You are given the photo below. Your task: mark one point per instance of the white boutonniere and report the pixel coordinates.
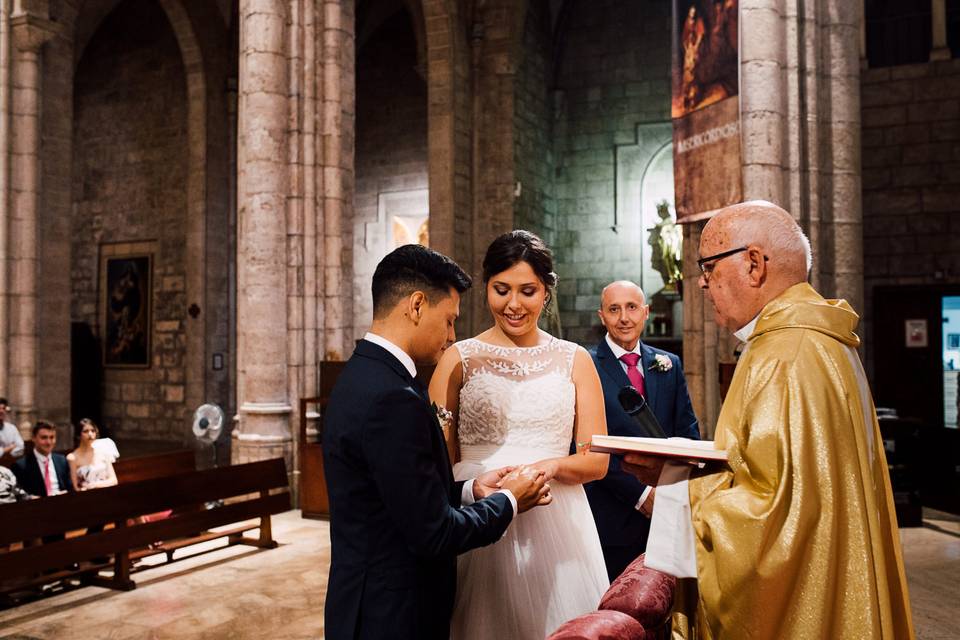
(444, 416)
(661, 363)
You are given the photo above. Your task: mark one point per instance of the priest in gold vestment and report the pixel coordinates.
(796, 537)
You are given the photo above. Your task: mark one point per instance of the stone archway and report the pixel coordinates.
(181, 381)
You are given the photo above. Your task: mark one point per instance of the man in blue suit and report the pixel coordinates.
(42, 472)
(621, 505)
(397, 517)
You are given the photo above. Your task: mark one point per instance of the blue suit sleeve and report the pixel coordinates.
(685, 424)
(398, 450)
(67, 484)
(623, 486)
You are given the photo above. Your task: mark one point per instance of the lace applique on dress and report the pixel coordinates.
(517, 395)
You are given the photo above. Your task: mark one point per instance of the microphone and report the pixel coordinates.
(636, 406)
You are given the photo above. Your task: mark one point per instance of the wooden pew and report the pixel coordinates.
(154, 466)
(253, 490)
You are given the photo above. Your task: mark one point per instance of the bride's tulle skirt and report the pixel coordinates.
(547, 568)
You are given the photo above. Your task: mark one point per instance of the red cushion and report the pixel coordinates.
(600, 625)
(643, 594)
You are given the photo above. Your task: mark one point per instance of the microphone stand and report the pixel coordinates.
(636, 406)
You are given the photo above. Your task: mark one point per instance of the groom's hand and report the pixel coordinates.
(489, 482)
(528, 486)
(646, 468)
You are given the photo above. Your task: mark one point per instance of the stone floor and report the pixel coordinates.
(248, 593)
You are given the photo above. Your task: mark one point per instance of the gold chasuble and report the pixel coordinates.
(798, 537)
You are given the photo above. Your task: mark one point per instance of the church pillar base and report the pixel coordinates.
(262, 433)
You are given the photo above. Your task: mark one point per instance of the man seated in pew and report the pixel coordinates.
(44, 472)
(10, 440)
(90, 468)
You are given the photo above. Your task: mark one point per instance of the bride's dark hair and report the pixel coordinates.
(520, 246)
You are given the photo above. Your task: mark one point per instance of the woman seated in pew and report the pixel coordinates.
(89, 468)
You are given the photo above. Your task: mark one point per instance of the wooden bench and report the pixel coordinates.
(251, 491)
(133, 469)
(154, 466)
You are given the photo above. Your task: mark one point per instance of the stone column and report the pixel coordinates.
(938, 15)
(337, 100)
(841, 231)
(262, 185)
(800, 123)
(4, 187)
(30, 33)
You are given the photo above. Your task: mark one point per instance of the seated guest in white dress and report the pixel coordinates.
(518, 395)
(90, 468)
(10, 439)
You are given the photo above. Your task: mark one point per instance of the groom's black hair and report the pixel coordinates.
(414, 267)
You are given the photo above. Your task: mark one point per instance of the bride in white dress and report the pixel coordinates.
(520, 396)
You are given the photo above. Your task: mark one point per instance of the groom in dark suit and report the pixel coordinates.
(621, 505)
(397, 518)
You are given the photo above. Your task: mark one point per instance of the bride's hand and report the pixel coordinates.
(548, 467)
(487, 483)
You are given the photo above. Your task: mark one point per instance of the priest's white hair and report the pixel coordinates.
(764, 223)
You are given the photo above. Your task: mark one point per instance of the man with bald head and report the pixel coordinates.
(796, 535)
(621, 504)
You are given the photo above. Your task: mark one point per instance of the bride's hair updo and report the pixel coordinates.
(520, 246)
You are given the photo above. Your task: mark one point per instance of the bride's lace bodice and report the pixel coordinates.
(517, 395)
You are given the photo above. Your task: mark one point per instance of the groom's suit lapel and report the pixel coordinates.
(370, 350)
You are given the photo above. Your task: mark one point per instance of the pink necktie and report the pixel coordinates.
(633, 374)
(46, 476)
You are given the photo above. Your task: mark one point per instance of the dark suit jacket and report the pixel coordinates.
(613, 499)
(30, 477)
(395, 525)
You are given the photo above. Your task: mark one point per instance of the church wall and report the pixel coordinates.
(391, 147)
(614, 74)
(535, 206)
(911, 178)
(129, 186)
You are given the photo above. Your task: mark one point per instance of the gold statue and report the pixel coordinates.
(666, 240)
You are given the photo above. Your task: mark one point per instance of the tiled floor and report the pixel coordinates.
(248, 593)
(239, 592)
(932, 557)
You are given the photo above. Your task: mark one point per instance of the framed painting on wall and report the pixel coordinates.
(126, 294)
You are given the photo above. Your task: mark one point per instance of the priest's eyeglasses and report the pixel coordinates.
(707, 264)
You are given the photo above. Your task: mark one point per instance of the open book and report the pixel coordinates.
(684, 448)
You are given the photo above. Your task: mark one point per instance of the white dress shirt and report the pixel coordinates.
(42, 461)
(618, 352)
(466, 497)
(394, 350)
(743, 333)
(10, 435)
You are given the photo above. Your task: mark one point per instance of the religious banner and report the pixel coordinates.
(705, 107)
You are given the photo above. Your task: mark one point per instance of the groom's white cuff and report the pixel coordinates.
(643, 498)
(466, 497)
